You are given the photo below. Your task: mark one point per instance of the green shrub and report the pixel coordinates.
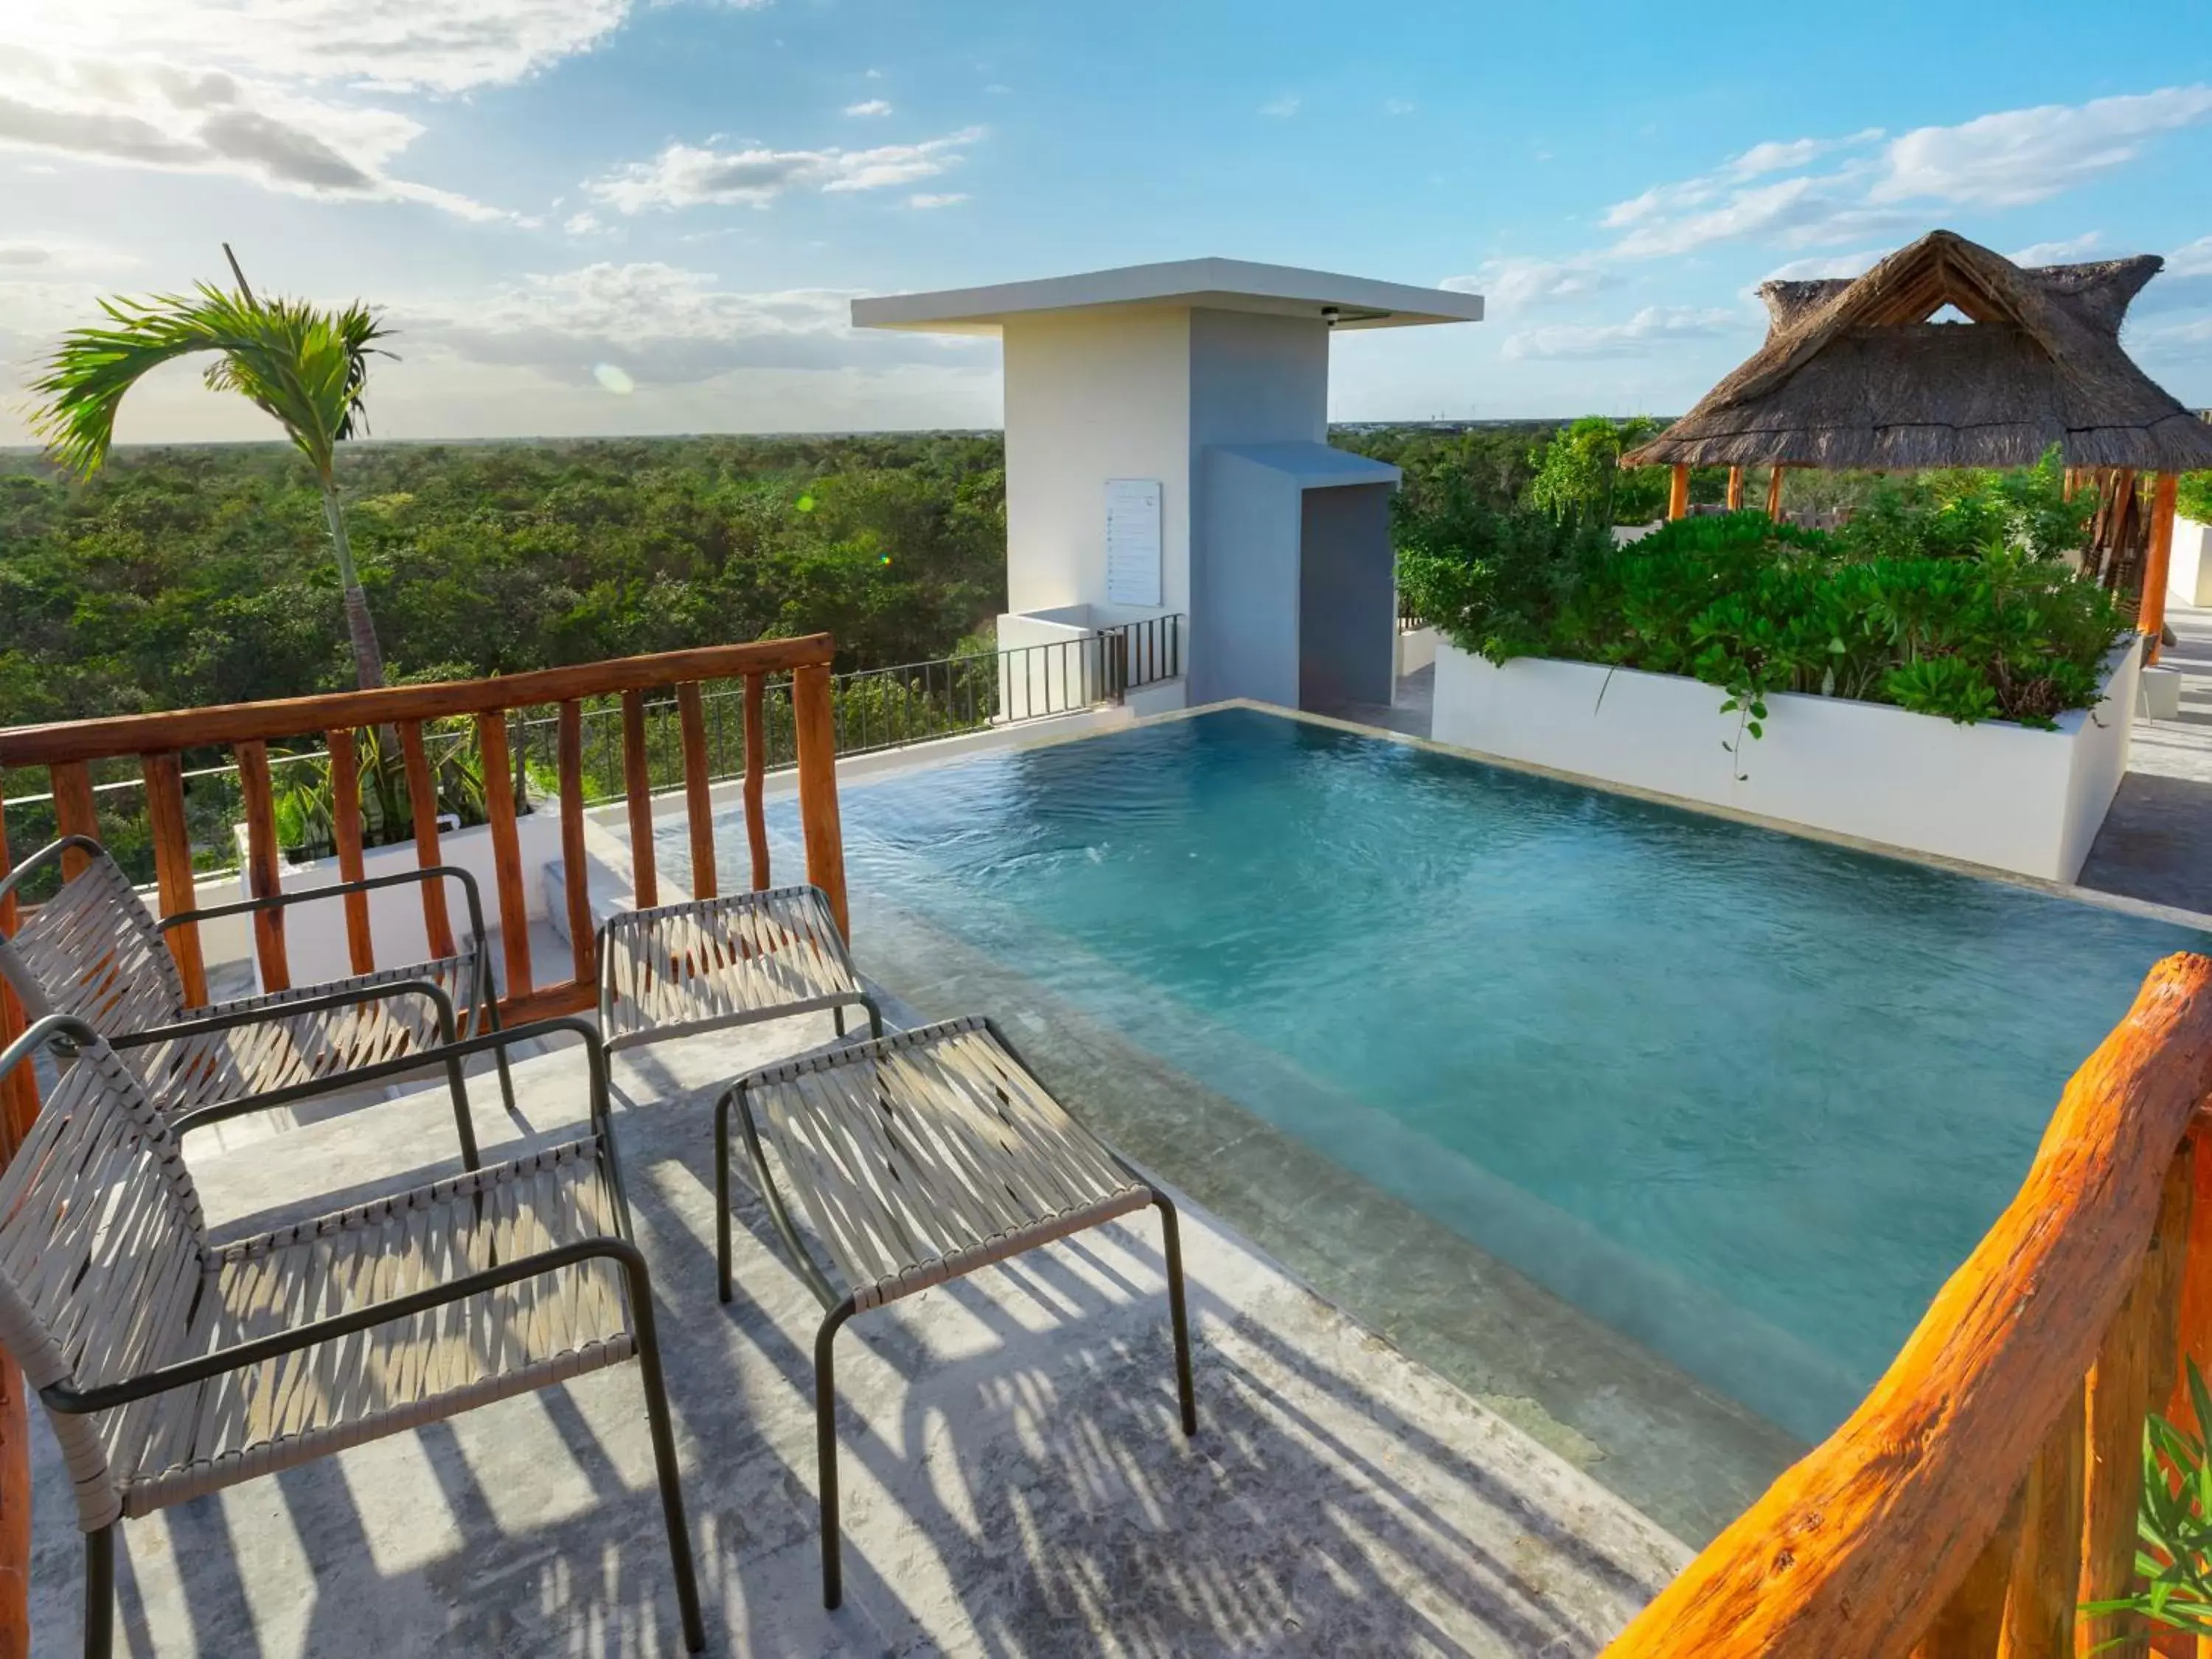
(1755, 608)
(2195, 496)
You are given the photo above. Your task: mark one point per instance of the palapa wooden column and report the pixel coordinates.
(1677, 492)
(1774, 493)
(1735, 489)
(2151, 617)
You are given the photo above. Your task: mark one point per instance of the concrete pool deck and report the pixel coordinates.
(1015, 1484)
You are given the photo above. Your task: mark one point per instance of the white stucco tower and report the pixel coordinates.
(1167, 454)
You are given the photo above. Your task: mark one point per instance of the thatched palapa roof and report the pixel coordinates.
(1854, 374)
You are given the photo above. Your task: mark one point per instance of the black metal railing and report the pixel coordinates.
(875, 710)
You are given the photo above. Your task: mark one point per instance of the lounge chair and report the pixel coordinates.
(170, 1367)
(95, 952)
(680, 969)
(916, 1159)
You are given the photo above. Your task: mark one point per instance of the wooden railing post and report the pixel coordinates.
(345, 831)
(263, 863)
(637, 788)
(816, 727)
(19, 1106)
(506, 849)
(698, 804)
(172, 869)
(575, 877)
(755, 779)
(2046, 1569)
(423, 804)
(1972, 1623)
(74, 813)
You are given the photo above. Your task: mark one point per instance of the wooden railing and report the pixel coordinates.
(1989, 1485)
(67, 750)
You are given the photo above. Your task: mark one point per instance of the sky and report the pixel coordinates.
(623, 216)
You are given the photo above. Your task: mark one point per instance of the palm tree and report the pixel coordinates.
(307, 366)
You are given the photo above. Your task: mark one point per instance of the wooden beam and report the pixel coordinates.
(755, 781)
(423, 804)
(263, 864)
(1678, 491)
(173, 869)
(575, 875)
(698, 804)
(345, 830)
(2151, 617)
(239, 722)
(1857, 1548)
(815, 721)
(1735, 489)
(1774, 494)
(637, 788)
(74, 813)
(2046, 1567)
(506, 850)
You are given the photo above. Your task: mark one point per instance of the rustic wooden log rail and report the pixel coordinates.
(67, 749)
(1989, 1485)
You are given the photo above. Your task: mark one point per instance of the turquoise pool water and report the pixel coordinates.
(1747, 1097)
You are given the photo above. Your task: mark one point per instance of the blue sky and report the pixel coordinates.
(640, 216)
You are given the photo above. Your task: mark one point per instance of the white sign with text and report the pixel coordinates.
(1133, 541)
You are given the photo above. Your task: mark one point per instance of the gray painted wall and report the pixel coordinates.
(1347, 596)
(1244, 582)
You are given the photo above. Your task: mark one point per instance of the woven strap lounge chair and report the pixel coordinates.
(683, 968)
(170, 1367)
(916, 1159)
(95, 952)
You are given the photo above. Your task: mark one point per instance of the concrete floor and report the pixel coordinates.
(1015, 1484)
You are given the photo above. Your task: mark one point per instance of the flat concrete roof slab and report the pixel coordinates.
(1209, 284)
(1313, 466)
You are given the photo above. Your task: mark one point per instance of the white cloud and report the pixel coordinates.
(937, 199)
(686, 175)
(870, 107)
(1873, 187)
(1399, 107)
(2191, 259)
(660, 324)
(1823, 266)
(2054, 253)
(1281, 107)
(1642, 335)
(2026, 156)
(586, 223)
(1513, 284)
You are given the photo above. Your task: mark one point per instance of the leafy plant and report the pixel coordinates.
(306, 366)
(2193, 498)
(1578, 473)
(2174, 1523)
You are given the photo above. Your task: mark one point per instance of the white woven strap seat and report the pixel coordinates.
(929, 1153)
(301, 1406)
(207, 1069)
(683, 969)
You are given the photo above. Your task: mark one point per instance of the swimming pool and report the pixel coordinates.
(1745, 1097)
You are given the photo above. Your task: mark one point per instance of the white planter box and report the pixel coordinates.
(2188, 573)
(1996, 793)
(1417, 649)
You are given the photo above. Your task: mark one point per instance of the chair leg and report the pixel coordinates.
(462, 1121)
(664, 1458)
(825, 1451)
(837, 1018)
(722, 1197)
(99, 1592)
(875, 1017)
(1172, 1236)
(490, 1017)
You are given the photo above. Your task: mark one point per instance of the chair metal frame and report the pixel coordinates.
(272, 1007)
(839, 1307)
(69, 1036)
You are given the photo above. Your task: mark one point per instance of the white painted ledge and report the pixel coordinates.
(1996, 793)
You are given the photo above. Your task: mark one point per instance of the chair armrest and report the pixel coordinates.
(45, 855)
(203, 1024)
(107, 1396)
(487, 1041)
(277, 901)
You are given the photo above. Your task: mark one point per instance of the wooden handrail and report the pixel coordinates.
(1876, 1541)
(67, 741)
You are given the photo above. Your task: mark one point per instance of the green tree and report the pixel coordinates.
(1578, 472)
(306, 366)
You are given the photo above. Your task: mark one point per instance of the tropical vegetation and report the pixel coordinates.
(1946, 596)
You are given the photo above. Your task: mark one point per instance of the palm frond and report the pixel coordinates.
(307, 367)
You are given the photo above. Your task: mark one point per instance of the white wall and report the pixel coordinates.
(2189, 576)
(1995, 793)
(1090, 398)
